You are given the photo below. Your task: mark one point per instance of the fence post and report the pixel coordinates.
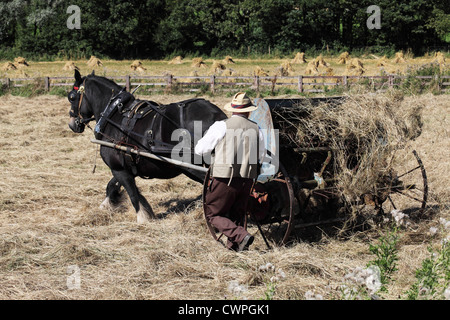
(345, 81)
(169, 81)
(213, 83)
(47, 84)
(8, 83)
(128, 82)
(300, 84)
(438, 82)
(256, 83)
(391, 81)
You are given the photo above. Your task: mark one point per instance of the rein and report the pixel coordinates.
(81, 90)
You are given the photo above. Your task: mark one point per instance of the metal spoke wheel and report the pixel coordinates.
(278, 222)
(408, 188)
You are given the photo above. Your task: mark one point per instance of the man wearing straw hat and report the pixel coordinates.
(239, 148)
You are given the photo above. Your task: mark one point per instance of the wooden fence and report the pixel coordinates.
(300, 83)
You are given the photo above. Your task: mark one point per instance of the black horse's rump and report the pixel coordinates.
(138, 124)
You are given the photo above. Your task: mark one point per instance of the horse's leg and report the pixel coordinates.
(143, 209)
(113, 195)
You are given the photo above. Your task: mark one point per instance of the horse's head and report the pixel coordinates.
(80, 111)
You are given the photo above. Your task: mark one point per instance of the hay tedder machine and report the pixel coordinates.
(299, 185)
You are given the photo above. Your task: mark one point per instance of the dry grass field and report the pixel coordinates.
(51, 224)
(368, 64)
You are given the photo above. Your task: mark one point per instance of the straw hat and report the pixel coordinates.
(240, 103)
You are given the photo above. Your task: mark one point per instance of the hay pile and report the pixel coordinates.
(381, 62)
(311, 68)
(320, 62)
(299, 58)
(258, 71)
(176, 60)
(355, 67)
(439, 58)
(20, 62)
(344, 58)
(94, 62)
(217, 67)
(137, 66)
(364, 131)
(328, 72)
(228, 60)
(70, 66)
(399, 57)
(8, 66)
(198, 63)
(285, 69)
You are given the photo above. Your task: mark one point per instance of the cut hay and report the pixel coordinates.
(228, 60)
(70, 66)
(21, 62)
(258, 71)
(355, 67)
(50, 224)
(8, 66)
(364, 132)
(381, 62)
(217, 67)
(439, 58)
(399, 57)
(299, 58)
(344, 57)
(176, 60)
(356, 63)
(285, 69)
(320, 62)
(198, 63)
(137, 66)
(311, 68)
(94, 62)
(328, 72)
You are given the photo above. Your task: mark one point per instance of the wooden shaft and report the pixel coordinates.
(151, 155)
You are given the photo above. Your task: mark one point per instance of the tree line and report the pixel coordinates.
(161, 28)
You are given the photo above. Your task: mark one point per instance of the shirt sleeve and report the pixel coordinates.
(209, 141)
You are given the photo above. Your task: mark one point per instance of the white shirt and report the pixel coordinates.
(216, 133)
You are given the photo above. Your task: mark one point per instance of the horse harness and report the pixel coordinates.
(132, 110)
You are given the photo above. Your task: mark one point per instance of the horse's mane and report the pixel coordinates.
(105, 81)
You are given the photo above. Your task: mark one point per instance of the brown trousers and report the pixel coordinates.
(226, 207)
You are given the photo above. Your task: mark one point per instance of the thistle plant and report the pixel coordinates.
(386, 253)
(277, 275)
(358, 284)
(433, 278)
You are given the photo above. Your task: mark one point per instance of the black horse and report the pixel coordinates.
(90, 97)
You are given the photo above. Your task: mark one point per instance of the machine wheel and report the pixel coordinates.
(408, 191)
(278, 223)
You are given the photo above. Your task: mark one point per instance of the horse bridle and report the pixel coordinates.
(79, 120)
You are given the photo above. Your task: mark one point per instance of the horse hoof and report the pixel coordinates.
(143, 217)
(106, 204)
